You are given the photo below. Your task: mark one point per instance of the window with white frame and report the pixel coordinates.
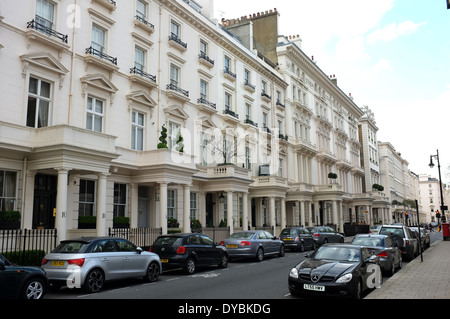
(175, 29)
(194, 205)
(227, 101)
(86, 201)
(171, 203)
(248, 111)
(204, 90)
(137, 130)
(98, 39)
(94, 114)
(172, 135)
(248, 158)
(174, 75)
(45, 14)
(227, 62)
(120, 200)
(8, 182)
(141, 10)
(204, 148)
(39, 102)
(139, 59)
(203, 48)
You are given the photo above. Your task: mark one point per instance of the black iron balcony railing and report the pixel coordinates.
(206, 102)
(227, 71)
(101, 55)
(230, 112)
(138, 71)
(140, 19)
(46, 30)
(283, 137)
(175, 88)
(247, 83)
(280, 104)
(203, 56)
(175, 38)
(264, 94)
(248, 121)
(265, 128)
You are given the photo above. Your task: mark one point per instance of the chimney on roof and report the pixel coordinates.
(333, 79)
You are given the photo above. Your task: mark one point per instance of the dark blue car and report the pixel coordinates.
(20, 282)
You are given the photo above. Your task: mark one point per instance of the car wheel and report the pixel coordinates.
(153, 272)
(392, 270)
(260, 254)
(400, 263)
(189, 268)
(34, 289)
(282, 251)
(358, 290)
(302, 247)
(223, 261)
(325, 241)
(94, 281)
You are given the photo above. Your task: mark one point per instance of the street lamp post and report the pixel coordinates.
(440, 183)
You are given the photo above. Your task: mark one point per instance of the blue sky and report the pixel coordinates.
(391, 55)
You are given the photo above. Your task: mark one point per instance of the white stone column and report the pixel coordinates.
(134, 205)
(311, 212)
(272, 221)
(341, 217)
(163, 207)
(186, 209)
(230, 214)
(335, 214)
(302, 214)
(244, 211)
(283, 213)
(101, 205)
(61, 204)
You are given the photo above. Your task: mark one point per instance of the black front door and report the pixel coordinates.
(44, 201)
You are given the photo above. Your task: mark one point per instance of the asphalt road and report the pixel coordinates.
(242, 279)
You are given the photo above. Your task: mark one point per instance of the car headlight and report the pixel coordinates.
(293, 273)
(344, 279)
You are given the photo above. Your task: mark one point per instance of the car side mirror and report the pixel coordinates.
(372, 259)
(2, 265)
(139, 250)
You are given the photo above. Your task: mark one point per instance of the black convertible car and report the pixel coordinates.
(339, 270)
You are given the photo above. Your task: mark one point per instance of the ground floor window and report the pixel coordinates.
(171, 204)
(120, 200)
(7, 190)
(86, 206)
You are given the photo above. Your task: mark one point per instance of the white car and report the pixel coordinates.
(89, 262)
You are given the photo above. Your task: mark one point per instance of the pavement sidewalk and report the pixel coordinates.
(427, 279)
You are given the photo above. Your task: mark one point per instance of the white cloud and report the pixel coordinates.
(393, 31)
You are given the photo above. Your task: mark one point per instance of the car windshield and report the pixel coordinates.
(168, 241)
(242, 235)
(338, 254)
(71, 247)
(392, 231)
(368, 241)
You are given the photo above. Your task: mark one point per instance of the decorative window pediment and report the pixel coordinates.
(176, 111)
(140, 98)
(44, 62)
(100, 82)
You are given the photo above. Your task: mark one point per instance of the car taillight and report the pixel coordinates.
(245, 243)
(150, 249)
(407, 242)
(383, 254)
(44, 261)
(222, 243)
(181, 250)
(316, 234)
(78, 262)
(297, 239)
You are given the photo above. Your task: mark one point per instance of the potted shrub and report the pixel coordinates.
(87, 222)
(163, 139)
(121, 222)
(172, 223)
(10, 219)
(196, 226)
(333, 177)
(378, 187)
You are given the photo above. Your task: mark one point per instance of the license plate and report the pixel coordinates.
(57, 263)
(164, 260)
(314, 287)
(232, 246)
(287, 239)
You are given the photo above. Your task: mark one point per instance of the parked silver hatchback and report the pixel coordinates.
(89, 262)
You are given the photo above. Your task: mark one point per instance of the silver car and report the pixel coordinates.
(253, 244)
(89, 262)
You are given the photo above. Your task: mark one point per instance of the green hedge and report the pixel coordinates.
(9, 216)
(26, 258)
